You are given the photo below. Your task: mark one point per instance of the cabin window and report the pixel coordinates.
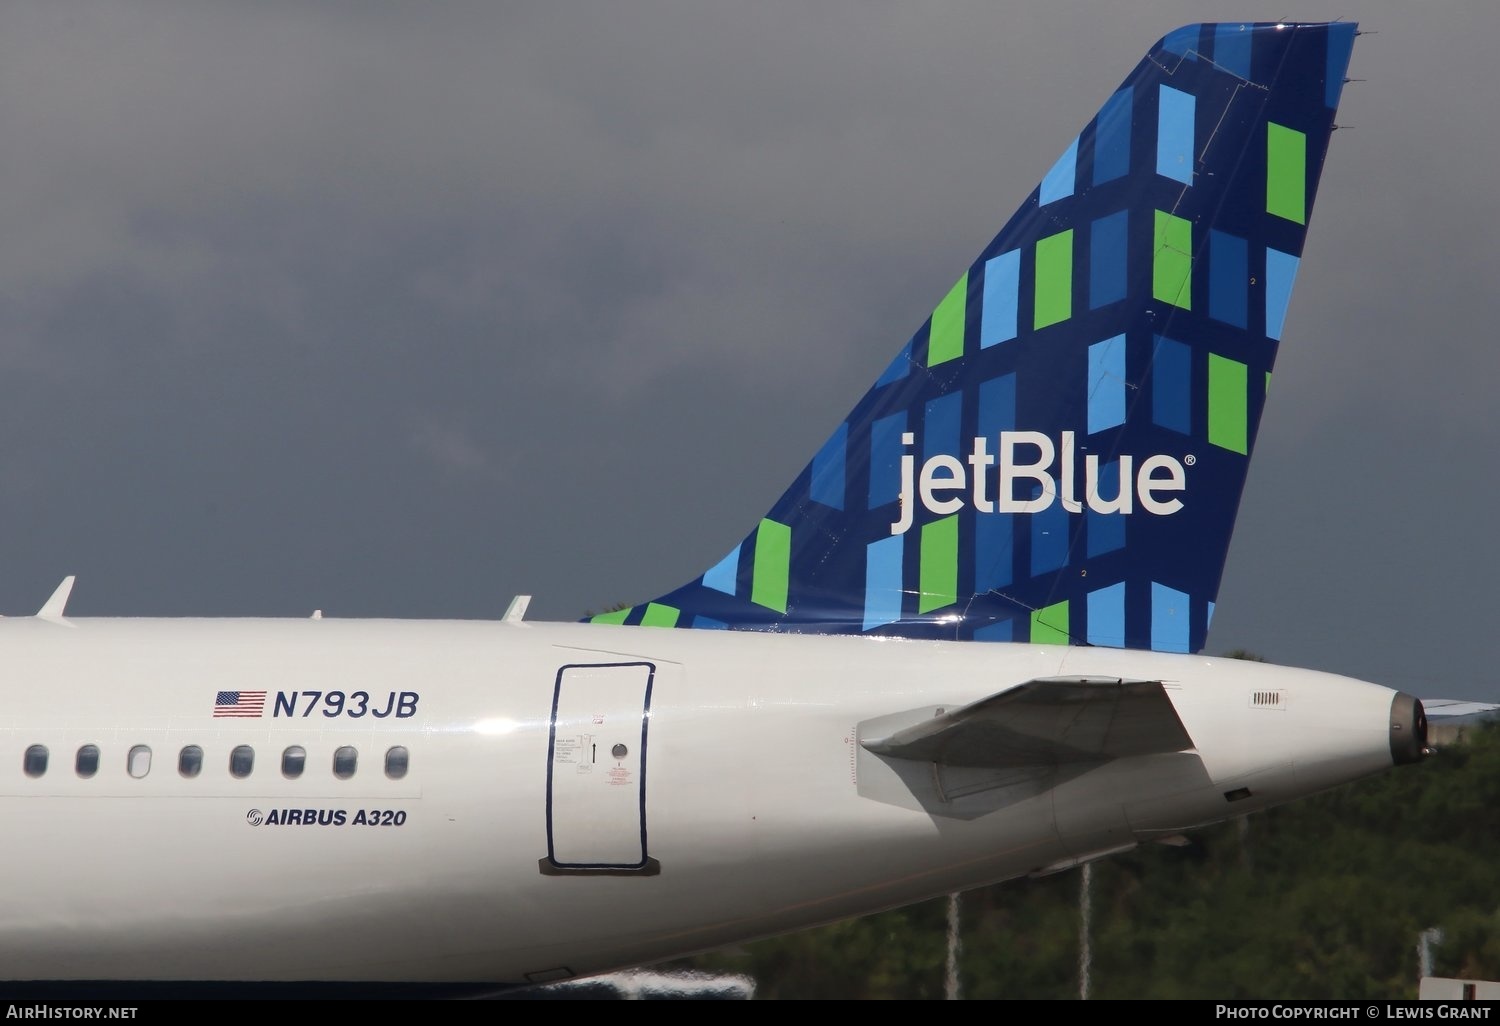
(396, 761)
(35, 762)
(293, 761)
(87, 763)
(343, 762)
(241, 761)
(138, 762)
(190, 761)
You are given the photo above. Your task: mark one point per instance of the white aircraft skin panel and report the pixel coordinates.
(726, 790)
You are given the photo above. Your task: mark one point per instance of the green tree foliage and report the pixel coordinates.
(1244, 653)
(1323, 898)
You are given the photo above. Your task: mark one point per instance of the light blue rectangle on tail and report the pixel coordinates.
(883, 582)
(1058, 184)
(724, 574)
(1170, 619)
(1106, 612)
(1174, 134)
(1106, 384)
(1281, 274)
(1002, 289)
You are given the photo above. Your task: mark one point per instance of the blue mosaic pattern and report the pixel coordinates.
(1053, 415)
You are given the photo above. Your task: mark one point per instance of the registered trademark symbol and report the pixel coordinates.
(1189, 460)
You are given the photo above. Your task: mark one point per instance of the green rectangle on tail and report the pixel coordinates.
(773, 555)
(945, 338)
(938, 578)
(1286, 172)
(1172, 263)
(658, 615)
(1054, 279)
(1228, 385)
(1049, 625)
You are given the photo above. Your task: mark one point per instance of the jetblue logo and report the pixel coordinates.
(946, 485)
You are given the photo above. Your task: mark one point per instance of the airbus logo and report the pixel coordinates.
(946, 484)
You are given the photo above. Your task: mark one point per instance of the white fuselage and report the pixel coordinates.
(743, 764)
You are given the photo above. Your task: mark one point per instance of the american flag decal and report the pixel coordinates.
(240, 703)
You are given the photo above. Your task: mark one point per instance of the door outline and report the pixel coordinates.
(646, 866)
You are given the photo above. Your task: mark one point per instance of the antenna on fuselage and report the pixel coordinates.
(54, 608)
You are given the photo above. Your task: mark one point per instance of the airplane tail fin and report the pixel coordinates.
(1057, 454)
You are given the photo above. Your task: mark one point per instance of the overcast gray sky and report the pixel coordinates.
(402, 309)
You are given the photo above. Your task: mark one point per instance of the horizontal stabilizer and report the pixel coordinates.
(1049, 721)
(1443, 708)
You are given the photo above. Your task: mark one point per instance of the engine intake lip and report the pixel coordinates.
(1408, 729)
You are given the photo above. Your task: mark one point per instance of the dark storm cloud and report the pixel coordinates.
(401, 309)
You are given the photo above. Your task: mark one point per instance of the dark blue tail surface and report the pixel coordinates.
(1058, 453)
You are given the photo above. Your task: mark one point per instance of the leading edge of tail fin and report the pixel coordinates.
(1058, 453)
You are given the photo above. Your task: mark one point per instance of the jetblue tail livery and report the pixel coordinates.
(366, 807)
(1058, 453)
